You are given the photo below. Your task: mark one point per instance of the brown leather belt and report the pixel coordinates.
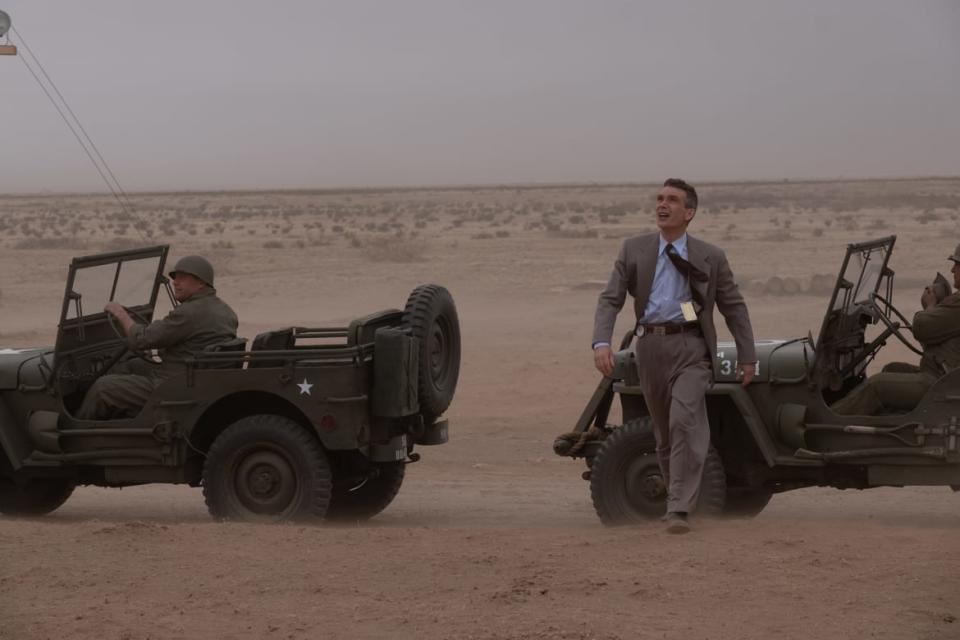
(667, 329)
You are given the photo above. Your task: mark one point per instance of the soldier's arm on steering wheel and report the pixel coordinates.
(174, 328)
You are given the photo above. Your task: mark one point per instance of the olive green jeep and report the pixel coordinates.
(303, 423)
(779, 433)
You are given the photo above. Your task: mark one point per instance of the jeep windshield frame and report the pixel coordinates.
(841, 343)
(132, 278)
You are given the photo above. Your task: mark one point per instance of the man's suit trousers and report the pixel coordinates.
(675, 371)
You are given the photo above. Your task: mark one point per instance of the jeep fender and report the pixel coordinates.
(750, 417)
(741, 400)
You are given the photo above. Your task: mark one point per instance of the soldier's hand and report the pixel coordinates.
(116, 310)
(746, 371)
(929, 298)
(603, 360)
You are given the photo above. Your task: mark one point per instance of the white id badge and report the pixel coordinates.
(689, 314)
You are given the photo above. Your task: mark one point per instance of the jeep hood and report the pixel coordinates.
(777, 360)
(14, 361)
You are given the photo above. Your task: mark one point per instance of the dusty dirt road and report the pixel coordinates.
(492, 537)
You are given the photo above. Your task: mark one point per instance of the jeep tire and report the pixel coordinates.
(626, 485)
(266, 468)
(432, 318)
(36, 497)
(370, 497)
(745, 502)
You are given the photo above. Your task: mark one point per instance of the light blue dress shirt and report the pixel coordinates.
(669, 289)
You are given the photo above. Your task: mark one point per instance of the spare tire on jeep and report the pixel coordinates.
(431, 317)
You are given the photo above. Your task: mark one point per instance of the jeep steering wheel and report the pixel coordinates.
(117, 329)
(893, 326)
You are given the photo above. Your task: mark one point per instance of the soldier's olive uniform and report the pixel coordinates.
(200, 321)
(901, 387)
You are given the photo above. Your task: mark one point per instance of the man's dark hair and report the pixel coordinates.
(690, 194)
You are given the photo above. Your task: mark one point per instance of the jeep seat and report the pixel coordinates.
(279, 340)
(236, 345)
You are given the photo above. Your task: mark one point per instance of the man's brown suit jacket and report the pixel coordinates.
(633, 273)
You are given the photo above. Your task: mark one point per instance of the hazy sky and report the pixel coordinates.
(233, 94)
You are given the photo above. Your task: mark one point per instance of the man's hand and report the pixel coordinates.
(117, 311)
(603, 360)
(746, 371)
(928, 298)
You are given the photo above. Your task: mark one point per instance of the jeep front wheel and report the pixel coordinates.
(266, 468)
(626, 485)
(746, 502)
(35, 497)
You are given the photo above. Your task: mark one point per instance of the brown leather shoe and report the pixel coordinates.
(677, 523)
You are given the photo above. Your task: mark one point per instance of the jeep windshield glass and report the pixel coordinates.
(863, 270)
(129, 282)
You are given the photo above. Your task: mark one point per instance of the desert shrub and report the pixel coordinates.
(791, 286)
(503, 234)
(821, 283)
(928, 216)
(773, 286)
(817, 232)
(572, 234)
(121, 244)
(482, 236)
(272, 244)
(394, 248)
(777, 235)
(50, 243)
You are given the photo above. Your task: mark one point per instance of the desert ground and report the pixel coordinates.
(493, 537)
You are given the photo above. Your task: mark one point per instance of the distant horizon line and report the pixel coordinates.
(486, 186)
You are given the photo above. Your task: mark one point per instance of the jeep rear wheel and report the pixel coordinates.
(35, 497)
(266, 468)
(432, 318)
(368, 498)
(626, 485)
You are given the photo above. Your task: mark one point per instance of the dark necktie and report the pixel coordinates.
(684, 267)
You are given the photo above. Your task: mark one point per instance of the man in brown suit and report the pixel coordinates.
(675, 280)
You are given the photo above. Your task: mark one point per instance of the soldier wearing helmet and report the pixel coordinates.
(200, 320)
(900, 386)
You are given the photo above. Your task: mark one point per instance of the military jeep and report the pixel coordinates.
(779, 433)
(303, 423)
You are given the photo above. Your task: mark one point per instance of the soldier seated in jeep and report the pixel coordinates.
(900, 387)
(199, 321)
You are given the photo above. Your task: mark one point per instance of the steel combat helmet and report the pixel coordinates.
(956, 254)
(197, 266)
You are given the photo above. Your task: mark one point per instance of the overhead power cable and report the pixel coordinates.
(82, 137)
